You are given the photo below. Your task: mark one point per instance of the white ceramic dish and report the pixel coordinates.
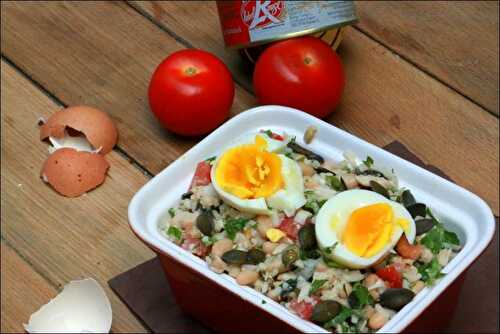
(460, 210)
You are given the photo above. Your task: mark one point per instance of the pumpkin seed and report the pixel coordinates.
(423, 225)
(325, 311)
(187, 195)
(205, 223)
(395, 299)
(378, 188)
(307, 237)
(417, 209)
(255, 256)
(290, 255)
(235, 256)
(372, 172)
(407, 198)
(321, 169)
(304, 151)
(309, 134)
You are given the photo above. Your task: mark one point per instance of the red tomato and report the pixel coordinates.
(290, 228)
(304, 309)
(407, 250)
(303, 73)
(391, 275)
(191, 92)
(201, 175)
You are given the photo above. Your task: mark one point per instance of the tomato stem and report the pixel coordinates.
(307, 60)
(190, 71)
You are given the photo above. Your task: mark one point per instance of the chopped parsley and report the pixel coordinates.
(171, 212)
(368, 162)
(316, 285)
(211, 159)
(313, 205)
(439, 238)
(234, 225)
(335, 182)
(329, 250)
(207, 241)
(263, 302)
(360, 297)
(174, 232)
(344, 314)
(430, 271)
(269, 133)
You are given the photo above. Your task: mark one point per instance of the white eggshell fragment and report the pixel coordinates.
(82, 307)
(79, 143)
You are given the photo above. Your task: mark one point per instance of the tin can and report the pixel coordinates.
(250, 23)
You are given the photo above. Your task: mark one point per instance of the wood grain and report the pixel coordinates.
(100, 54)
(455, 41)
(23, 291)
(386, 98)
(65, 239)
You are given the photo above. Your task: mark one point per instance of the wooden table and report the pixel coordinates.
(425, 74)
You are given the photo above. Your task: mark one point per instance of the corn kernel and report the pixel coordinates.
(274, 234)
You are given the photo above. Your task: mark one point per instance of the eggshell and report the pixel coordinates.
(73, 173)
(82, 307)
(96, 125)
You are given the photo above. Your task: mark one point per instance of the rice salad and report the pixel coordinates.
(340, 244)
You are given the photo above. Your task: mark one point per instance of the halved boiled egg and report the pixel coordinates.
(253, 178)
(361, 226)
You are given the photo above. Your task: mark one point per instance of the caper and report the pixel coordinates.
(255, 256)
(290, 255)
(235, 256)
(309, 134)
(307, 237)
(407, 198)
(378, 188)
(205, 223)
(423, 225)
(417, 209)
(325, 311)
(304, 151)
(395, 299)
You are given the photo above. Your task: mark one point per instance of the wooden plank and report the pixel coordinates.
(100, 54)
(65, 239)
(455, 41)
(23, 291)
(385, 99)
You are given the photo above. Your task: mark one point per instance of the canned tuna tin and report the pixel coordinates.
(246, 24)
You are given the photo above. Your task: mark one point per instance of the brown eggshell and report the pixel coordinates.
(96, 125)
(72, 173)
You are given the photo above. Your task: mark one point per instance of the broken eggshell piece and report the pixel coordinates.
(72, 173)
(82, 307)
(96, 126)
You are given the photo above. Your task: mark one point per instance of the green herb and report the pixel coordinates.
(316, 285)
(313, 205)
(174, 232)
(207, 241)
(345, 313)
(362, 296)
(288, 286)
(438, 238)
(309, 254)
(289, 155)
(211, 159)
(234, 225)
(332, 263)
(430, 271)
(335, 182)
(263, 302)
(269, 133)
(171, 212)
(329, 250)
(368, 162)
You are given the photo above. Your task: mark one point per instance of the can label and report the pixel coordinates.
(246, 23)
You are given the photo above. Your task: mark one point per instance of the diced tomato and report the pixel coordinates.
(277, 136)
(196, 245)
(304, 309)
(290, 227)
(407, 250)
(201, 175)
(391, 275)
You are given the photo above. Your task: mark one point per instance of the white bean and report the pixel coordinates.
(247, 277)
(377, 320)
(268, 247)
(264, 223)
(221, 246)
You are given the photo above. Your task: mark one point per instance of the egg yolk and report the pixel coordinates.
(368, 229)
(249, 171)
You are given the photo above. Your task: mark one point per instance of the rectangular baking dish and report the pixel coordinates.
(218, 301)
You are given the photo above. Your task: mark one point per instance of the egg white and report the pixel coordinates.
(288, 199)
(340, 208)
